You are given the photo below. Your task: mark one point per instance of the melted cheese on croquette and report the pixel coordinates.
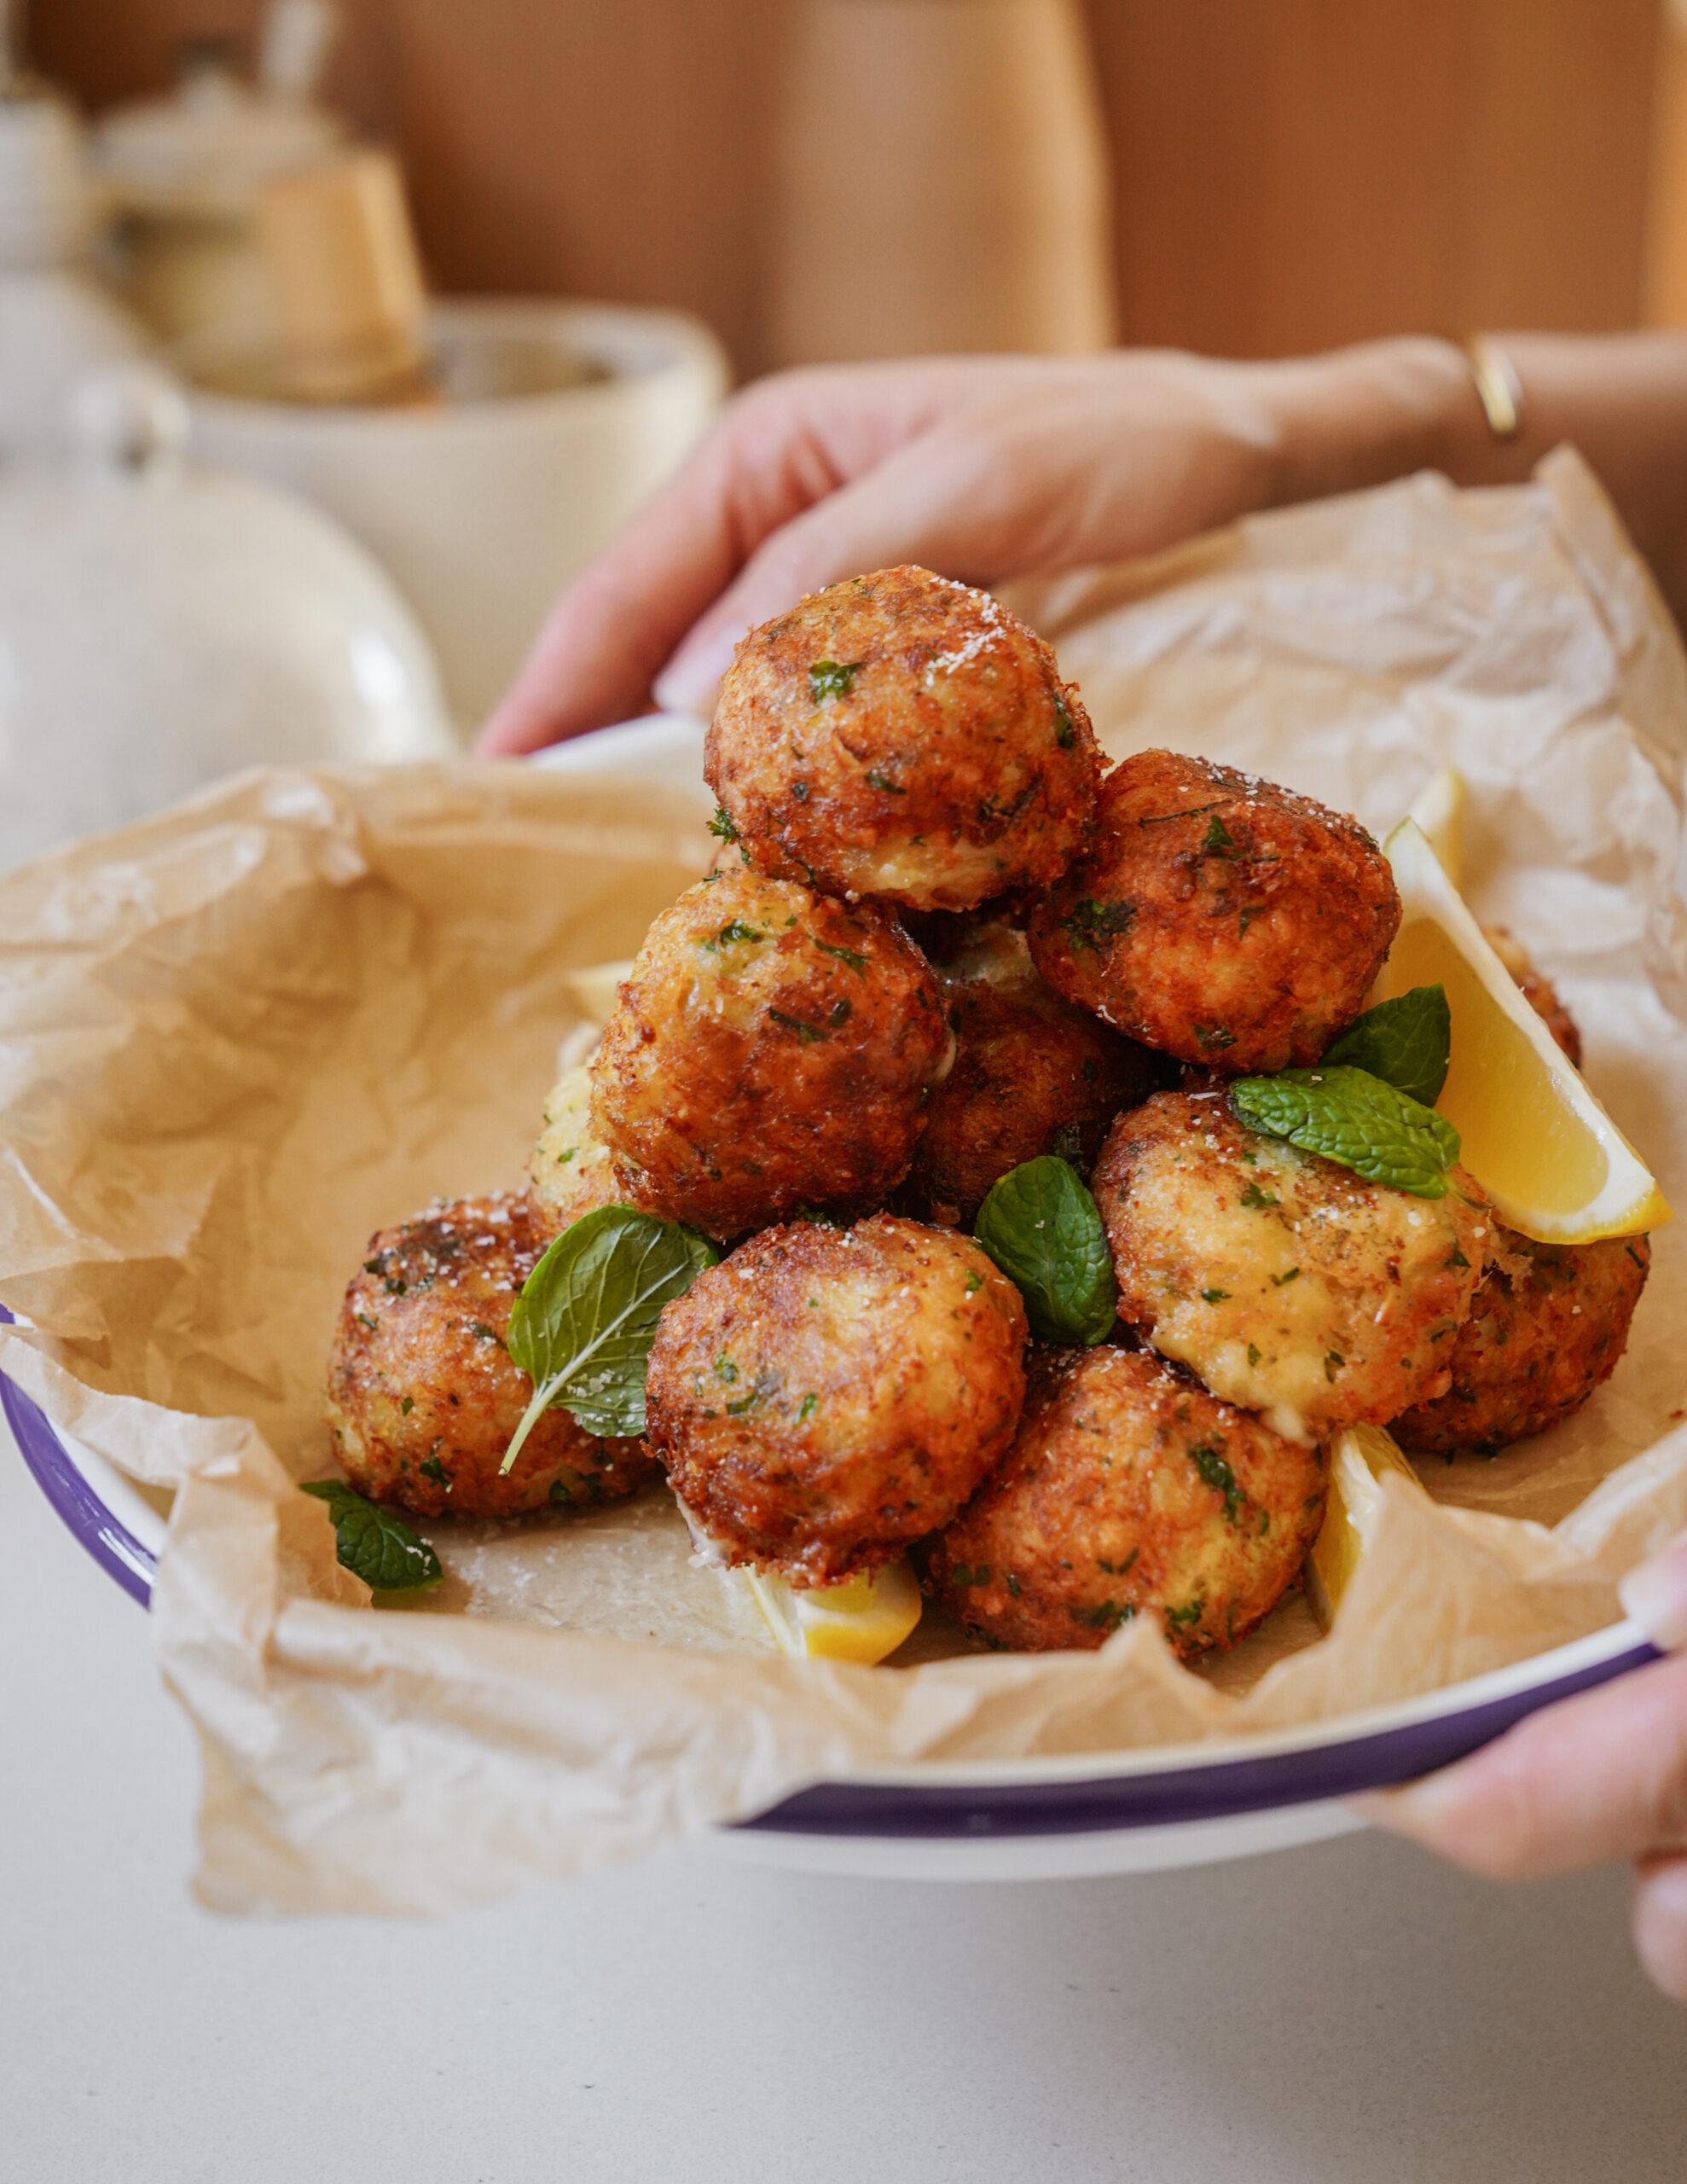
(1289, 1285)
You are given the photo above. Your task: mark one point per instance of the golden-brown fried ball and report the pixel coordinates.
(422, 1395)
(1129, 1490)
(825, 1395)
(1540, 993)
(571, 1172)
(571, 1169)
(901, 737)
(1288, 1284)
(773, 1050)
(1219, 917)
(1546, 1326)
(1032, 1075)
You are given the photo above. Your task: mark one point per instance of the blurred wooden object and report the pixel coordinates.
(1296, 173)
(345, 279)
(964, 202)
(1666, 292)
(1288, 172)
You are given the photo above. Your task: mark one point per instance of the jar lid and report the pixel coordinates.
(206, 149)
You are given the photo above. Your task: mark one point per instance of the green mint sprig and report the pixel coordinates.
(1406, 1041)
(1043, 1229)
(1355, 1119)
(583, 1325)
(373, 1543)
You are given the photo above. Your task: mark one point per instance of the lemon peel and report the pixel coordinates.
(1360, 1458)
(1438, 808)
(863, 1619)
(1550, 1160)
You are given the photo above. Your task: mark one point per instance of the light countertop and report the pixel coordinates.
(1349, 2013)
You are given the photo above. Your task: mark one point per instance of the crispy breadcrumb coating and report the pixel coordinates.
(826, 1395)
(571, 1171)
(1032, 1075)
(1546, 1326)
(1129, 1490)
(901, 737)
(1218, 917)
(422, 1395)
(773, 1050)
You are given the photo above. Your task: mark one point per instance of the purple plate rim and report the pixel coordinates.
(90, 1522)
(1332, 1766)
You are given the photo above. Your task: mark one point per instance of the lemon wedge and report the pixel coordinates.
(1360, 1458)
(1439, 810)
(1552, 1161)
(862, 1620)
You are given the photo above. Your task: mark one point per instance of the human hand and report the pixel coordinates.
(1600, 1776)
(983, 468)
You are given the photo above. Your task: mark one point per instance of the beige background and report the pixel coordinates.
(1288, 172)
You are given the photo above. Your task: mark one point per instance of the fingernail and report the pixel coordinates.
(691, 681)
(1656, 1595)
(1408, 1806)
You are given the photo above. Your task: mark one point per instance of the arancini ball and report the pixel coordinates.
(773, 1050)
(824, 1397)
(1032, 1075)
(1545, 1327)
(904, 737)
(1129, 1490)
(1218, 917)
(1287, 1284)
(423, 1398)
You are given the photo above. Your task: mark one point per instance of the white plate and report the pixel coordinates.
(1023, 1819)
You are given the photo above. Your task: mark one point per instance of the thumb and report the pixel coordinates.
(1602, 1775)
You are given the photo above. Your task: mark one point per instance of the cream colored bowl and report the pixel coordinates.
(560, 418)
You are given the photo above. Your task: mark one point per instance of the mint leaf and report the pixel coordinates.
(583, 1325)
(373, 1543)
(1355, 1119)
(1406, 1041)
(1043, 1229)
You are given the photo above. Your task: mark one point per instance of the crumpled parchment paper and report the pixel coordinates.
(236, 1039)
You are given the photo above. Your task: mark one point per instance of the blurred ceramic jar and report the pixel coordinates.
(180, 175)
(161, 626)
(941, 182)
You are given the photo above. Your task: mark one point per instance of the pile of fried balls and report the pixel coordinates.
(942, 939)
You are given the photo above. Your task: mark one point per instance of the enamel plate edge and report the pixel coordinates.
(1149, 1810)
